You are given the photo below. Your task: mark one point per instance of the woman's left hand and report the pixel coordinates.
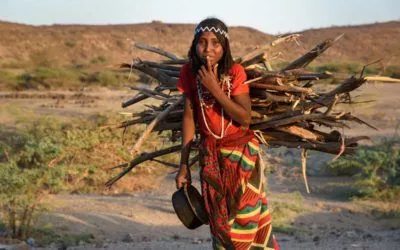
(208, 76)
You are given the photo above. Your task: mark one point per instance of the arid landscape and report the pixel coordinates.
(62, 78)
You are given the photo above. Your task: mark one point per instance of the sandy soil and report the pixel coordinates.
(146, 220)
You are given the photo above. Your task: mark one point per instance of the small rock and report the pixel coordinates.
(197, 241)
(31, 242)
(368, 236)
(128, 238)
(176, 237)
(351, 234)
(316, 238)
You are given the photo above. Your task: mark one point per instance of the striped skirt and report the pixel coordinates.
(236, 201)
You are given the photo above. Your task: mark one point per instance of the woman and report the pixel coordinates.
(217, 99)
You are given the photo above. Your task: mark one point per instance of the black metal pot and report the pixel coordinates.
(189, 207)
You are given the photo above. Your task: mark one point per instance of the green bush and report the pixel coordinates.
(47, 78)
(376, 169)
(48, 156)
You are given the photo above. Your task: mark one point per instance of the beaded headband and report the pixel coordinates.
(212, 29)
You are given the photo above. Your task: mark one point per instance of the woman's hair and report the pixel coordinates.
(221, 32)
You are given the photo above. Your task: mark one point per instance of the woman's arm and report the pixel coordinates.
(188, 129)
(238, 108)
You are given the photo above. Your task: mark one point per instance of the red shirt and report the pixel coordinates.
(187, 85)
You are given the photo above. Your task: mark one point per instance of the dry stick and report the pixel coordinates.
(282, 88)
(304, 166)
(162, 66)
(156, 74)
(307, 58)
(151, 93)
(172, 73)
(161, 116)
(254, 60)
(285, 121)
(125, 124)
(165, 163)
(267, 46)
(348, 85)
(175, 61)
(142, 158)
(342, 148)
(156, 50)
(329, 147)
(134, 100)
(300, 132)
(356, 119)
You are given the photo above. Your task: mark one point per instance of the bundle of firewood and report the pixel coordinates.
(286, 110)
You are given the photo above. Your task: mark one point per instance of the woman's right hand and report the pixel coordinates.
(183, 177)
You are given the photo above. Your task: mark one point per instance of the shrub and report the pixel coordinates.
(46, 78)
(376, 169)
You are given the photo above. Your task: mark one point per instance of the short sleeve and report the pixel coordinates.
(238, 80)
(183, 83)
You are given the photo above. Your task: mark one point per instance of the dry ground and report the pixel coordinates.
(145, 220)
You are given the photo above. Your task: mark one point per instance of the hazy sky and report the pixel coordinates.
(276, 16)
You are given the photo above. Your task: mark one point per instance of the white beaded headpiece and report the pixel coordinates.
(212, 29)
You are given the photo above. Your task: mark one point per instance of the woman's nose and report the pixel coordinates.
(207, 47)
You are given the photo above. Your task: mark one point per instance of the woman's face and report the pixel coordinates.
(209, 47)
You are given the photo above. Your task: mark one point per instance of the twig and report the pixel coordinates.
(142, 158)
(161, 116)
(156, 50)
(304, 166)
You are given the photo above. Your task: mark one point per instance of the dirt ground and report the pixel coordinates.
(146, 220)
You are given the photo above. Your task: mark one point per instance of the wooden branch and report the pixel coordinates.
(304, 167)
(134, 100)
(151, 92)
(348, 85)
(329, 147)
(300, 132)
(280, 40)
(256, 59)
(170, 72)
(306, 59)
(161, 116)
(140, 159)
(162, 66)
(175, 61)
(156, 50)
(285, 88)
(285, 121)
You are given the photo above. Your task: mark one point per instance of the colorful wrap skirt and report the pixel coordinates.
(233, 188)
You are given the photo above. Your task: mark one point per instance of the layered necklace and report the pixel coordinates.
(226, 83)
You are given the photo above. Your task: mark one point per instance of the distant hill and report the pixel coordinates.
(58, 45)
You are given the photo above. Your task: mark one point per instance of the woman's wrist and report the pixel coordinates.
(184, 165)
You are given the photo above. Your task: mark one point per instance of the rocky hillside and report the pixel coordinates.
(58, 45)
